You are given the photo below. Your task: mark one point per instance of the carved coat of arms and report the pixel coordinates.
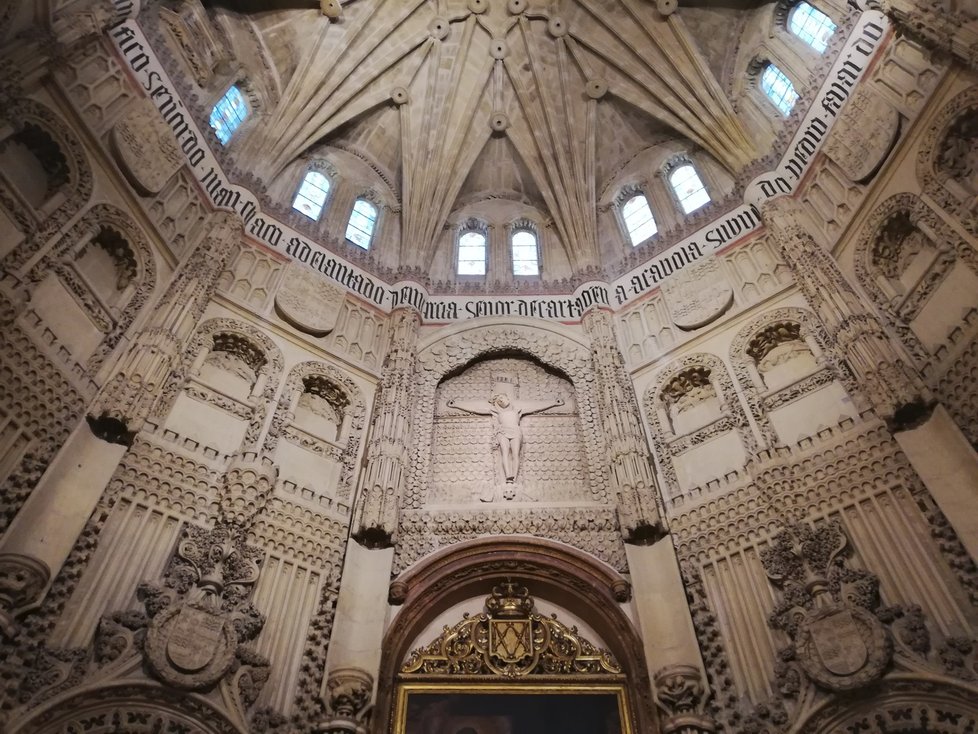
(146, 148)
(698, 295)
(192, 644)
(307, 301)
(863, 135)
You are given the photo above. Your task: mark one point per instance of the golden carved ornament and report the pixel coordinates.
(512, 641)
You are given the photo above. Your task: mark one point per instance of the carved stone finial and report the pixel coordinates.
(247, 486)
(22, 580)
(680, 692)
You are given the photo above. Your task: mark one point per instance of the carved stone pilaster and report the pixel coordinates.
(349, 693)
(22, 581)
(248, 483)
(630, 462)
(937, 27)
(387, 451)
(681, 694)
(893, 388)
(127, 399)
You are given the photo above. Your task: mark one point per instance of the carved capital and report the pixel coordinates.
(22, 581)
(680, 692)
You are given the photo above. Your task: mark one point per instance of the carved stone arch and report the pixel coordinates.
(909, 705)
(941, 152)
(138, 258)
(741, 362)
(285, 414)
(202, 339)
(566, 576)
(950, 245)
(457, 347)
(720, 376)
(76, 190)
(133, 707)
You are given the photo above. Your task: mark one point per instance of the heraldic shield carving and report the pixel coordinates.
(512, 641)
(828, 608)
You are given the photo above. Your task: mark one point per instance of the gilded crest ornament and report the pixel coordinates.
(512, 641)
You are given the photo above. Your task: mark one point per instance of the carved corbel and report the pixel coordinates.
(348, 698)
(681, 694)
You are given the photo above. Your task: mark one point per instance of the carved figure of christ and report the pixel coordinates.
(506, 415)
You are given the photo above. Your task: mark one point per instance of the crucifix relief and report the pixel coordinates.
(506, 414)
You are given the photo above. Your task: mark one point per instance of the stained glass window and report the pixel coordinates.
(812, 26)
(363, 219)
(689, 188)
(228, 114)
(311, 196)
(472, 253)
(638, 219)
(526, 257)
(778, 88)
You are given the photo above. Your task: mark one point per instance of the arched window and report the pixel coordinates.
(228, 114)
(778, 88)
(311, 196)
(472, 253)
(812, 26)
(689, 188)
(638, 219)
(526, 257)
(363, 220)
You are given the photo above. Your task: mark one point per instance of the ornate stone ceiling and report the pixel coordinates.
(426, 90)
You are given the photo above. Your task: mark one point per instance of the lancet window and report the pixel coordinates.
(471, 252)
(311, 196)
(638, 219)
(689, 188)
(228, 114)
(811, 25)
(363, 222)
(778, 88)
(526, 254)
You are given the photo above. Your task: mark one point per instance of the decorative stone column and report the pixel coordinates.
(51, 519)
(954, 33)
(382, 482)
(349, 691)
(629, 460)
(893, 388)
(680, 693)
(122, 406)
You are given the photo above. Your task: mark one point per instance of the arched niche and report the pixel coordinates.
(565, 577)
(909, 705)
(590, 525)
(132, 707)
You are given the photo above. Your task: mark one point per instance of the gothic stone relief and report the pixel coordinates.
(146, 148)
(863, 136)
(493, 415)
(307, 301)
(698, 295)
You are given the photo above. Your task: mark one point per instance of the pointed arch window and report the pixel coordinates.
(526, 255)
(689, 188)
(639, 222)
(228, 114)
(363, 221)
(778, 88)
(811, 25)
(471, 253)
(311, 196)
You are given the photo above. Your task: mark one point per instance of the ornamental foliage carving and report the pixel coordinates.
(511, 641)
